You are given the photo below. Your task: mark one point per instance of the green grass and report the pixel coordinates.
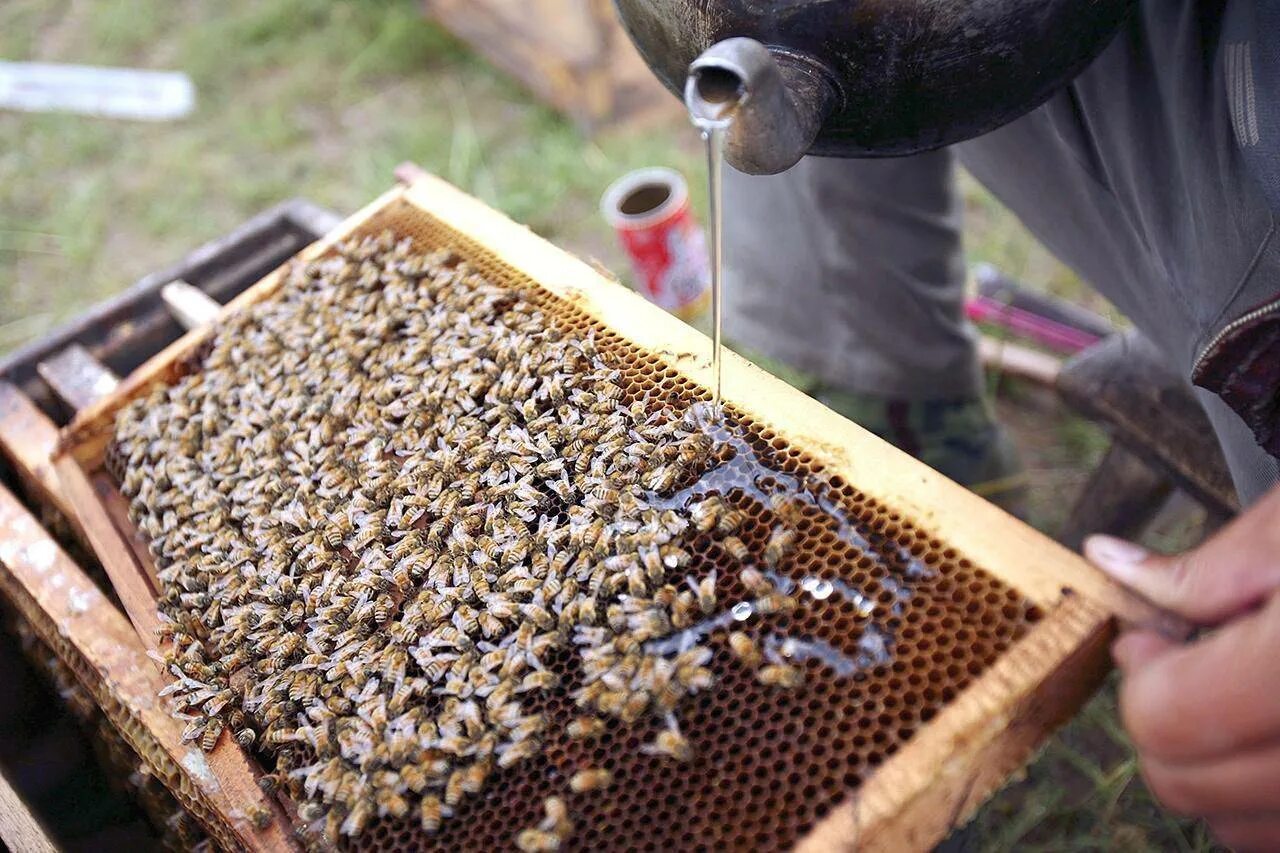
(296, 97)
(322, 99)
(1083, 793)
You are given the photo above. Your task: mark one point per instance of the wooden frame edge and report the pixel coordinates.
(952, 765)
(53, 593)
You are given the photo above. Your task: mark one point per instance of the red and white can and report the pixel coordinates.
(649, 208)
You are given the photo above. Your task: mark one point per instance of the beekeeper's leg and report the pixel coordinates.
(851, 271)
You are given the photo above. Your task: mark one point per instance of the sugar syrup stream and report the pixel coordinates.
(712, 100)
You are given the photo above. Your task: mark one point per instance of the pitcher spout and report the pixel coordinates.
(772, 102)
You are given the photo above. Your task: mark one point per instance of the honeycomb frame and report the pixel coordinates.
(980, 734)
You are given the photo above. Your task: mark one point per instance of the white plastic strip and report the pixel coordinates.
(112, 92)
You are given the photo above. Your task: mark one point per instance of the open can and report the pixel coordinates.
(649, 209)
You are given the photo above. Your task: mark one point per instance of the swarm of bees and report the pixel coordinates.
(390, 494)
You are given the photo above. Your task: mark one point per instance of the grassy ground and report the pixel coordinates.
(321, 99)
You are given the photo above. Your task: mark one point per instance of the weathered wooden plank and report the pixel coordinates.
(76, 377)
(27, 441)
(20, 830)
(132, 584)
(190, 306)
(572, 54)
(110, 659)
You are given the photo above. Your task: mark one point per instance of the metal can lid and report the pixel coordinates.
(644, 197)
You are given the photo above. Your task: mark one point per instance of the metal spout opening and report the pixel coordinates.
(772, 102)
(713, 93)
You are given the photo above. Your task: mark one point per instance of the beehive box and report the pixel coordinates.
(970, 636)
(572, 54)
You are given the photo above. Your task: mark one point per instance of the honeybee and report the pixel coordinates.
(518, 751)
(590, 780)
(209, 738)
(534, 840)
(775, 602)
(390, 803)
(474, 775)
(672, 743)
(538, 615)
(780, 675)
(745, 649)
(557, 816)
(736, 548)
(755, 581)
(684, 610)
(674, 557)
(357, 817)
(705, 590)
(781, 544)
(383, 608)
(662, 478)
(431, 811)
(539, 679)
(729, 520)
(585, 727)
(490, 625)
(453, 789)
(637, 580)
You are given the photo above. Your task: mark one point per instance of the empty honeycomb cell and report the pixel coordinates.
(767, 763)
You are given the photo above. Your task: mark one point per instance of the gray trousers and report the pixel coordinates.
(1133, 175)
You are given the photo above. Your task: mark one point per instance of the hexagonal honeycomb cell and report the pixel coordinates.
(892, 625)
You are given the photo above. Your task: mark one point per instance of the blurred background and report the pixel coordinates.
(321, 99)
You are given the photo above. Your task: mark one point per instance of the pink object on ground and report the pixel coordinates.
(1041, 330)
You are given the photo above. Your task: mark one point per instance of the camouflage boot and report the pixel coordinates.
(960, 438)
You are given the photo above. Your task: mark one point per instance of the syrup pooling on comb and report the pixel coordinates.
(767, 761)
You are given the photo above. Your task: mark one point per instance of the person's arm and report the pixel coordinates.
(1205, 716)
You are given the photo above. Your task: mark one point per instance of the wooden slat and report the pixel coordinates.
(76, 377)
(19, 828)
(27, 441)
(129, 579)
(70, 613)
(190, 306)
(1020, 361)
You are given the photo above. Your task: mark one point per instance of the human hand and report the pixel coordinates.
(1205, 715)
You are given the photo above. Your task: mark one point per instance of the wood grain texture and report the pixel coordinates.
(132, 583)
(28, 440)
(109, 658)
(76, 377)
(19, 829)
(572, 54)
